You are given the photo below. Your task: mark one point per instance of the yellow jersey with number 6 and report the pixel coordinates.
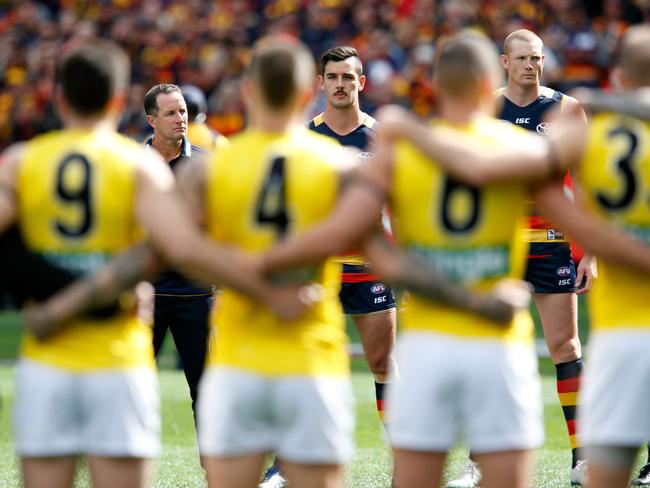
(615, 178)
(266, 186)
(76, 208)
(473, 235)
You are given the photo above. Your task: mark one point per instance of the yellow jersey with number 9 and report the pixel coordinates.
(266, 186)
(472, 235)
(615, 180)
(76, 208)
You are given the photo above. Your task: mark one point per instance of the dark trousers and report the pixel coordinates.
(187, 319)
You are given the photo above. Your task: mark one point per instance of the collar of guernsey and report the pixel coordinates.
(539, 229)
(186, 149)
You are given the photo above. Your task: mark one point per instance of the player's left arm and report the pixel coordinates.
(594, 234)
(9, 163)
(409, 271)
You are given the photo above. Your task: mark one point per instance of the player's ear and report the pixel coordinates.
(362, 82)
(320, 81)
(503, 59)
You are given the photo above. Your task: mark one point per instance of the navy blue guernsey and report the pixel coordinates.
(170, 281)
(531, 117)
(360, 137)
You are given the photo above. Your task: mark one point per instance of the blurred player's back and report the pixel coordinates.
(472, 234)
(262, 188)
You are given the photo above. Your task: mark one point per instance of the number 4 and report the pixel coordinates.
(272, 203)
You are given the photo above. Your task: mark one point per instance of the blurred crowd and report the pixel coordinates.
(207, 44)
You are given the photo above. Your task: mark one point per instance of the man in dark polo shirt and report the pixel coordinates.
(180, 306)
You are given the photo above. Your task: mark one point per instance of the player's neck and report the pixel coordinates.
(522, 95)
(460, 112)
(73, 121)
(343, 121)
(168, 149)
(272, 121)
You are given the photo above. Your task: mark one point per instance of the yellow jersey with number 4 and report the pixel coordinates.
(472, 235)
(76, 208)
(615, 177)
(266, 186)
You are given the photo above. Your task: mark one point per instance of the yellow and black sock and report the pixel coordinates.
(568, 385)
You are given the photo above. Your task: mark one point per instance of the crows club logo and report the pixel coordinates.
(543, 128)
(378, 288)
(563, 271)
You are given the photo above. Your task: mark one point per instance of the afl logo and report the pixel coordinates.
(563, 271)
(543, 128)
(378, 288)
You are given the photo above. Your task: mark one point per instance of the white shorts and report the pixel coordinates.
(616, 393)
(485, 390)
(112, 413)
(303, 419)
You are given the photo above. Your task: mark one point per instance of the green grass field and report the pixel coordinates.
(178, 466)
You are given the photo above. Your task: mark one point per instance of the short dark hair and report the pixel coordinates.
(340, 53)
(151, 97)
(280, 69)
(90, 73)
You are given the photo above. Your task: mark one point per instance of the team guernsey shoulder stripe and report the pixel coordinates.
(473, 235)
(261, 188)
(615, 179)
(76, 198)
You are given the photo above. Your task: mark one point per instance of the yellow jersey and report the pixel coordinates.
(76, 208)
(615, 177)
(473, 235)
(263, 187)
(202, 136)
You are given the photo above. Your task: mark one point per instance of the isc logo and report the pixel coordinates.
(522, 120)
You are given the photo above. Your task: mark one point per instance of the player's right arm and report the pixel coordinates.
(95, 291)
(173, 232)
(9, 163)
(635, 103)
(530, 157)
(408, 271)
(595, 235)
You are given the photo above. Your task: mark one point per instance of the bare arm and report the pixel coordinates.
(95, 291)
(635, 104)
(173, 232)
(533, 157)
(594, 234)
(9, 162)
(408, 271)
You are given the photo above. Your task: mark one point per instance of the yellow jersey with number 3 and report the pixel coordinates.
(615, 178)
(262, 188)
(76, 208)
(472, 235)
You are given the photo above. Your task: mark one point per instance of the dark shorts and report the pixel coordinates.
(366, 297)
(551, 268)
